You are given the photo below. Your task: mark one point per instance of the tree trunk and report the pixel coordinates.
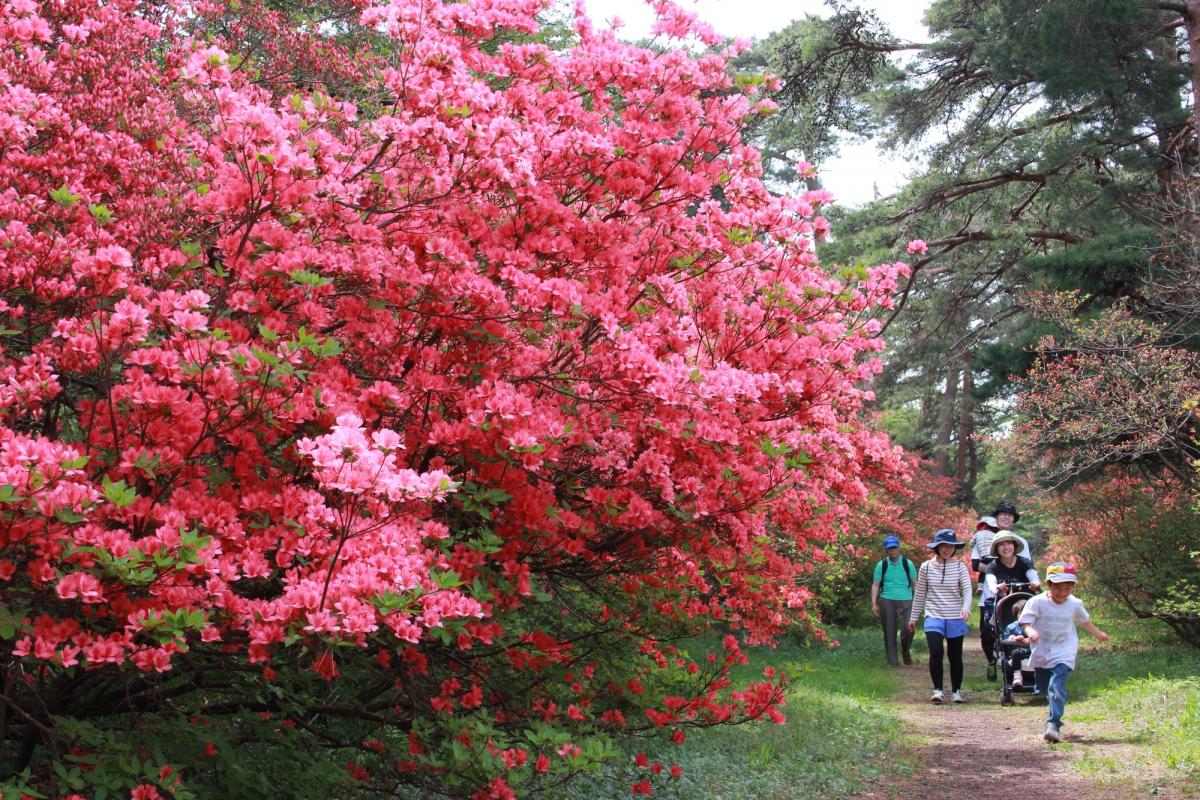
(966, 421)
(941, 451)
(973, 469)
(1192, 19)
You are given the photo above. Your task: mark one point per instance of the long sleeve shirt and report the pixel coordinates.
(943, 590)
(996, 573)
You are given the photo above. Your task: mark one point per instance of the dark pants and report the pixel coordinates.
(893, 616)
(987, 637)
(1016, 656)
(954, 651)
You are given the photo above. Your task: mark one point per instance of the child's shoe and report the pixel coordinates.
(1052, 735)
(1017, 682)
(937, 696)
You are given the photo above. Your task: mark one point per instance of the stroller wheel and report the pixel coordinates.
(991, 671)
(1006, 697)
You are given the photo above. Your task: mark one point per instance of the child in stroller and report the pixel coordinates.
(1012, 648)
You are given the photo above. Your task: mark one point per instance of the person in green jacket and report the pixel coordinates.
(891, 599)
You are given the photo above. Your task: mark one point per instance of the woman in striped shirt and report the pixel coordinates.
(943, 594)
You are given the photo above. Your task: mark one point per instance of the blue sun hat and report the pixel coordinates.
(945, 536)
(890, 541)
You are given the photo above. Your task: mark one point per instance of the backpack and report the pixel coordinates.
(883, 570)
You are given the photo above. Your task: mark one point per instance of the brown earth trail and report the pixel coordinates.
(979, 749)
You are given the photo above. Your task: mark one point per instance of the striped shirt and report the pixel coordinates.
(981, 545)
(943, 590)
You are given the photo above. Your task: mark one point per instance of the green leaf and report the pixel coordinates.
(800, 459)
(448, 579)
(100, 213)
(62, 195)
(117, 493)
(773, 449)
(67, 516)
(306, 277)
(147, 463)
(270, 359)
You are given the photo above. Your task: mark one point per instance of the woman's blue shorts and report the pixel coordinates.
(949, 628)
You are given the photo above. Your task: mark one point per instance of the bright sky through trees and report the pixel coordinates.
(855, 174)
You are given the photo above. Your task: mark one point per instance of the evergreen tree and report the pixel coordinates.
(1043, 127)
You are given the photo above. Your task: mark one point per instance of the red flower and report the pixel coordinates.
(325, 666)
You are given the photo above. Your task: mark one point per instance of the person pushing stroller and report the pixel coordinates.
(1004, 572)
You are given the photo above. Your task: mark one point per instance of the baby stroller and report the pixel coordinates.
(1002, 616)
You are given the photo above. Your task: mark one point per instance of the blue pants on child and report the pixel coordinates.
(1051, 683)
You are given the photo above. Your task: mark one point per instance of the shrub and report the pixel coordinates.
(383, 390)
(1137, 539)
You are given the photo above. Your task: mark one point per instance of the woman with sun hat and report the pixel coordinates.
(943, 595)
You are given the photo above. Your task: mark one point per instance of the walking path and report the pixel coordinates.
(981, 750)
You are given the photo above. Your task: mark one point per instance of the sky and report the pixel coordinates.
(860, 167)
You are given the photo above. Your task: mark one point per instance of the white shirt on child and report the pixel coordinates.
(1058, 641)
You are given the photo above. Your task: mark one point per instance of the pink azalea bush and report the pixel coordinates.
(383, 386)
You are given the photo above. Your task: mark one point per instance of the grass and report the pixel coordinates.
(838, 735)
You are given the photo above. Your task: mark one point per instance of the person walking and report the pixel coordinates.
(1006, 520)
(981, 544)
(943, 595)
(891, 599)
(981, 548)
(1049, 621)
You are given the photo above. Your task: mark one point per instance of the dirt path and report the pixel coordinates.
(982, 750)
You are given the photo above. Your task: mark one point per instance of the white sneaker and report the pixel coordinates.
(1052, 734)
(958, 698)
(937, 696)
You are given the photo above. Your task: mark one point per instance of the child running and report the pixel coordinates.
(1049, 622)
